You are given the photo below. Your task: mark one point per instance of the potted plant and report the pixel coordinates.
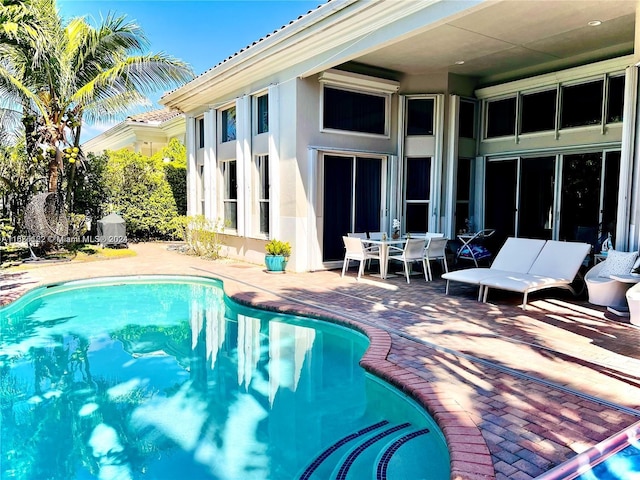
(278, 253)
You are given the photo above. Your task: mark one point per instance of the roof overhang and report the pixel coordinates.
(490, 40)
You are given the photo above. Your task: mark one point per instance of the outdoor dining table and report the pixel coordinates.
(384, 251)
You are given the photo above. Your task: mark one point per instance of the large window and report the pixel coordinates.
(501, 117)
(554, 107)
(418, 194)
(200, 132)
(354, 111)
(538, 111)
(262, 166)
(582, 104)
(262, 114)
(521, 196)
(467, 124)
(420, 116)
(463, 194)
(228, 124)
(615, 99)
(230, 193)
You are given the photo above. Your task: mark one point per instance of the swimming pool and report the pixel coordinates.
(165, 377)
(616, 458)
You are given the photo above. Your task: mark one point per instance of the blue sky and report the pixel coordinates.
(200, 32)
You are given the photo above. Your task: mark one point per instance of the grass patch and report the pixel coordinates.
(14, 254)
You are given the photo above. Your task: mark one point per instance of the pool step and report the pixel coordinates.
(360, 461)
(380, 451)
(322, 466)
(411, 445)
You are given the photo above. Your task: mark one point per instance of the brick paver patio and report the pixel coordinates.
(515, 391)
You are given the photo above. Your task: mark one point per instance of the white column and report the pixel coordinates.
(210, 165)
(451, 166)
(628, 202)
(192, 172)
(243, 159)
(436, 177)
(314, 253)
(274, 161)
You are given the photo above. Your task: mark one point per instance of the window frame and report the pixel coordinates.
(255, 112)
(582, 81)
(486, 103)
(223, 125)
(362, 84)
(226, 199)
(387, 113)
(200, 132)
(262, 171)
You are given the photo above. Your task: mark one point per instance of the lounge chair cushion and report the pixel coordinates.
(555, 266)
(516, 255)
(618, 263)
(522, 282)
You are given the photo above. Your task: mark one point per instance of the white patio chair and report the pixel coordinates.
(413, 251)
(355, 250)
(436, 249)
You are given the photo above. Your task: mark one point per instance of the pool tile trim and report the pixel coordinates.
(313, 466)
(383, 464)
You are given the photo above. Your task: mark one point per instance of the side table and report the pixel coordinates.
(631, 279)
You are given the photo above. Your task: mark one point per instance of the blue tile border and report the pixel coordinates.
(383, 464)
(306, 475)
(346, 465)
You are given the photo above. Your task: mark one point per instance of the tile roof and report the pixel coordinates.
(242, 50)
(154, 116)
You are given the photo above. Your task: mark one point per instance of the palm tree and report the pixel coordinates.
(58, 75)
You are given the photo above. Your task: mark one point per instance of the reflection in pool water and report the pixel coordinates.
(166, 378)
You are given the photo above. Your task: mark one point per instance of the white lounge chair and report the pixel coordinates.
(516, 255)
(556, 266)
(602, 289)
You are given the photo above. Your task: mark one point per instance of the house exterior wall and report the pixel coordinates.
(296, 142)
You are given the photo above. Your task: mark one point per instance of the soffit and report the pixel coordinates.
(511, 37)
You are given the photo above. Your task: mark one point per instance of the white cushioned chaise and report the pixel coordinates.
(556, 266)
(516, 255)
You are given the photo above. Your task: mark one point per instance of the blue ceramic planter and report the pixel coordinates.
(275, 263)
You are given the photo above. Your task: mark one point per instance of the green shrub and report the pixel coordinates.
(278, 247)
(139, 191)
(203, 236)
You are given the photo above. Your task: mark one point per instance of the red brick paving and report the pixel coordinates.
(515, 392)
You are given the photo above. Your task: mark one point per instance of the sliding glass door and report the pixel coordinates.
(523, 196)
(589, 201)
(353, 200)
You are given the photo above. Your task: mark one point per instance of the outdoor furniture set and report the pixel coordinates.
(522, 265)
(526, 265)
(422, 248)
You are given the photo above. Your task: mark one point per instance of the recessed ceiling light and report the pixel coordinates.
(594, 23)
(459, 62)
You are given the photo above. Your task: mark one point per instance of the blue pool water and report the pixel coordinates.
(624, 465)
(165, 378)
